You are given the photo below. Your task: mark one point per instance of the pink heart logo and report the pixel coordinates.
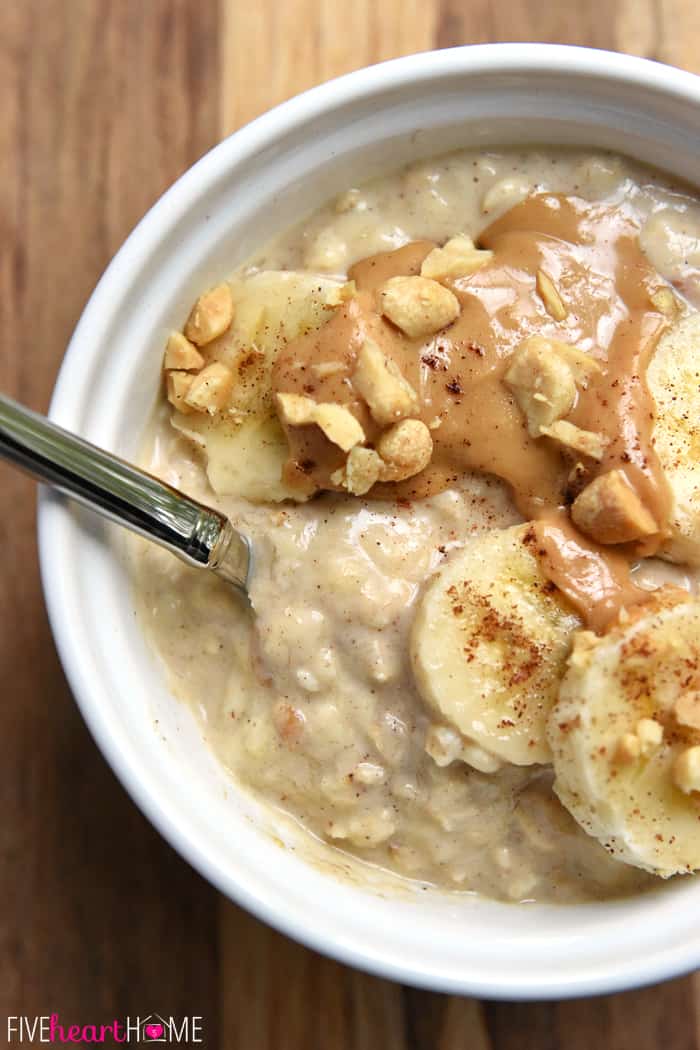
(154, 1031)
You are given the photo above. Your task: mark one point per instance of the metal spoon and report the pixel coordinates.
(197, 534)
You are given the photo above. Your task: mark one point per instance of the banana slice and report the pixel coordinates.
(244, 446)
(273, 306)
(489, 646)
(243, 457)
(624, 732)
(269, 309)
(672, 376)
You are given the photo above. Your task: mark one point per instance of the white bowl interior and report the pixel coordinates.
(259, 182)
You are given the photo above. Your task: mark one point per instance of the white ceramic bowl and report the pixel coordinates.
(257, 182)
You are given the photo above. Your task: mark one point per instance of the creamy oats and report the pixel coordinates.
(432, 407)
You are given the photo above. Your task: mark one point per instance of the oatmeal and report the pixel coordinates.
(452, 413)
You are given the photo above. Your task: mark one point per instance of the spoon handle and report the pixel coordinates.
(197, 534)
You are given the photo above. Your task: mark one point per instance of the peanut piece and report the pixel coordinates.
(180, 353)
(610, 511)
(459, 257)
(211, 315)
(178, 384)
(686, 770)
(339, 425)
(295, 410)
(542, 383)
(406, 449)
(586, 442)
(379, 381)
(360, 472)
(549, 295)
(418, 306)
(328, 368)
(543, 376)
(584, 645)
(341, 294)
(337, 422)
(665, 302)
(210, 389)
(650, 734)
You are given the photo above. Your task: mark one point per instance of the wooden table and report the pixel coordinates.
(105, 103)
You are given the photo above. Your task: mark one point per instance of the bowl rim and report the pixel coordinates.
(518, 58)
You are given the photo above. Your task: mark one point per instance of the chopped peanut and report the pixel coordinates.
(584, 643)
(341, 294)
(687, 710)
(406, 449)
(182, 354)
(628, 749)
(610, 511)
(178, 384)
(339, 425)
(379, 381)
(360, 472)
(549, 295)
(211, 315)
(459, 257)
(296, 410)
(665, 302)
(543, 376)
(210, 390)
(542, 383)
(418, 306)
(686, 770)
(586, 442)
(650, 734)
(328, 368)
(337, 422)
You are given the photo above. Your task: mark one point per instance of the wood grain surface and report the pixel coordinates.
(105, 102)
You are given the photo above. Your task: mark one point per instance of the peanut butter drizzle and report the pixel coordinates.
(591, 252)
(595, 580)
